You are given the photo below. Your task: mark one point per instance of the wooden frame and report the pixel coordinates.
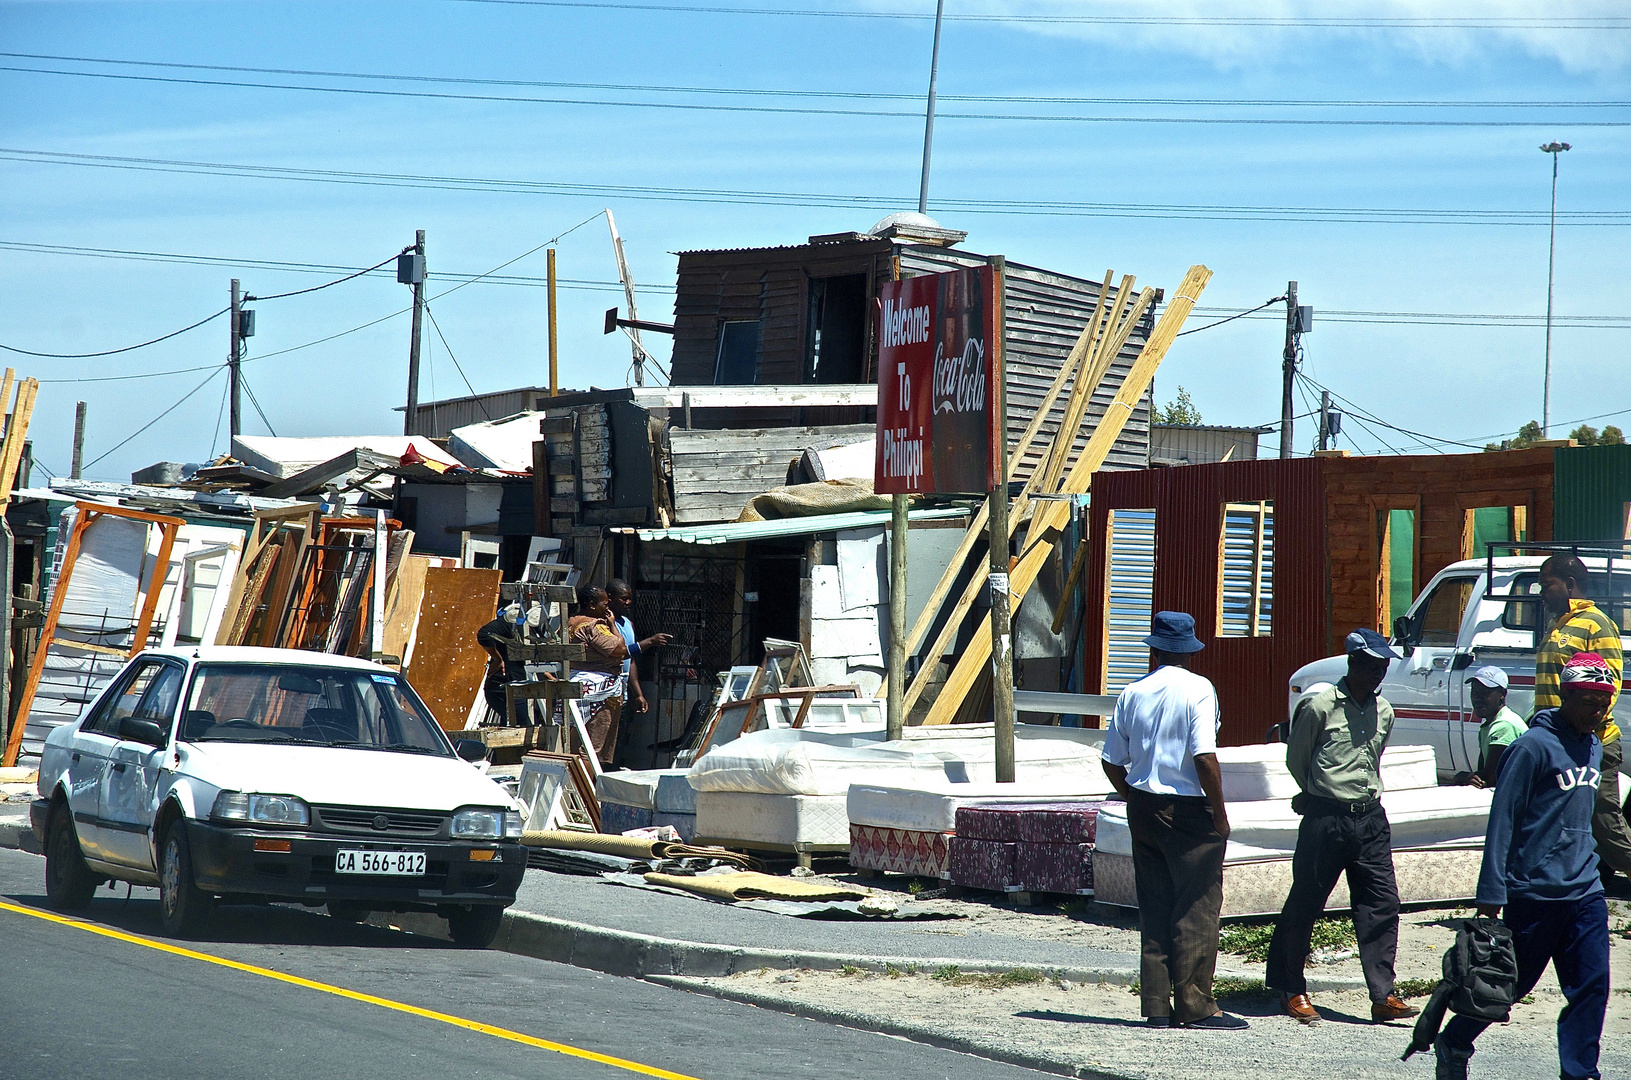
(1260, 510)
(1381, 553)
(578, 797)
(159, 569)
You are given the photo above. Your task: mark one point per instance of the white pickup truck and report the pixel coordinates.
(1464, 619)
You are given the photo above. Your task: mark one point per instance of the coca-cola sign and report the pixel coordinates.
(938, 364)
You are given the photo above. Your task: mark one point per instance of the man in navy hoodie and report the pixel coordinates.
(1540, 863)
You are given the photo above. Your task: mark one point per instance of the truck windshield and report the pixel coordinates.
(323, 706)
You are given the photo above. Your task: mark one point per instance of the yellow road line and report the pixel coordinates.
(340, 991)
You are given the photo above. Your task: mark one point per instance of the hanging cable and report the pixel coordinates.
(253, 400)
(481, 404)
(113, 352)
(1195, 330)
(337, 281)
(159, 417)
(225, 393)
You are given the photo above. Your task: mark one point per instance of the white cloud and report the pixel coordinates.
(1540, 31)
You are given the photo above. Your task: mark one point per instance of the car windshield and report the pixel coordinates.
(321, 706)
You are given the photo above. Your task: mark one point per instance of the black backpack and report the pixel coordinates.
(1480, 981)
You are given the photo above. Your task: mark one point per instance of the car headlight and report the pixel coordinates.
(479, 824)
(512, 826)
(260, 809)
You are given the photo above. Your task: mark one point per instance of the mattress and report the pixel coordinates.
(797, 762)
(1258, 772)
(630, 788)
(1054, 868)
(935, 809)
(1417, 817)
(674, 793)
(777, 821)
(1259, 886)
(618, 818)
(901, 851)
(983, 864)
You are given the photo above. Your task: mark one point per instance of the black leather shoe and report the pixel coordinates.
(1158, 1021)
(1220, 1022)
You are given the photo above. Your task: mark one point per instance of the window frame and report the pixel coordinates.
(1259, 595)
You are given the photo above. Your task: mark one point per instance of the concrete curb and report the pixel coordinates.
(16, 832)
(973, 1047)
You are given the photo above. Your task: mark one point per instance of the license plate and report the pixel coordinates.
(393, 863)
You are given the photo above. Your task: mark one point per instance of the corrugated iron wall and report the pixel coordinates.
(1592, 488)
(1249, 672)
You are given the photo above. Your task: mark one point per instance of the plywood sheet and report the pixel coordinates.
(402, 606)
(448, 666)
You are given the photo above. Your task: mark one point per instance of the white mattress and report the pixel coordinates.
(1418, 818)
(781, 821)
(1258, 772)
(674, 794)
(631, 788)
(789, 762)
(936, 810)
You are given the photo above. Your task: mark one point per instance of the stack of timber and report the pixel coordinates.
(1061, 465)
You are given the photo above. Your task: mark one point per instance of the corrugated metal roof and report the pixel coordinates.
(733, 532)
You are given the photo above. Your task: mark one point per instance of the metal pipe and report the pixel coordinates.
(928, 121)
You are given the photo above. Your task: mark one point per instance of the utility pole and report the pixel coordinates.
(74, 467)
(1325, 419)
(410, 270)
(234, 355)
(1553, 148)
(1002, 652)
(1288, 370)
(554, 368)
(928, 119)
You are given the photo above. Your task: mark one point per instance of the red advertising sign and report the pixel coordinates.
(938, 358)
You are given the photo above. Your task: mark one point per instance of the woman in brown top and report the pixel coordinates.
(600, 672)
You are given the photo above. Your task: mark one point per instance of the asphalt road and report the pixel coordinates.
(279, 992)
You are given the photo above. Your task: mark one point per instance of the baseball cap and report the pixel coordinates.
(1589, 671)
(1370, 643)
(1491, 676)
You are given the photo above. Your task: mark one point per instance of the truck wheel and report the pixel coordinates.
(474, 927)
(69, 883)
(348, 911)
(183, 907)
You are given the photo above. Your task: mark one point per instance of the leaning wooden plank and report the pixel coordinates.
(448, 666)
(1051, 517)
(16, 435)
(402, 608)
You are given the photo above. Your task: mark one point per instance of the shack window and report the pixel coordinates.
(835, 330)
(1246, 570)
(1128, 597)
(737, 363)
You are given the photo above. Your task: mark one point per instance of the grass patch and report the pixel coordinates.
(1252, 942)
(1409, 988)
(849, 969)
(952, 975)
(1227, 986)
(1077, 906)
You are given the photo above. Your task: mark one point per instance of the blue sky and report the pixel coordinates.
(1448, 381)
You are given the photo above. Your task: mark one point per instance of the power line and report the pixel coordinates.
(1548, 22)
(218, 369)
(437, 327)
(848, 95)
(1231, 318)
(1031, 208)
(253, 400)
(788, 110)
(112, 352)
(327, 284)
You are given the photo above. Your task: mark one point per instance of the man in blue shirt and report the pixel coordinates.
(1540, 863)
(621, 596)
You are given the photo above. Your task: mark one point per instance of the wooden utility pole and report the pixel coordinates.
(554, 368)
(1325, 419)
(76, 465)
(234, 355)
(410, 422)
(1002, 651)
(1288, 370)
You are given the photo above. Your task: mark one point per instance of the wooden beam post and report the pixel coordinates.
(1002, 651)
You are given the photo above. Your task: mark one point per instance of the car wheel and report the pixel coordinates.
(474, 927)
(183, 907)
(69, 883)
(348, 911)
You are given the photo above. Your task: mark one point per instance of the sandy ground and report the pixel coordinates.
(1096, 1030)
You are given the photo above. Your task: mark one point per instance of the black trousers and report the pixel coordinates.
(1178, 868)
(1328, 845)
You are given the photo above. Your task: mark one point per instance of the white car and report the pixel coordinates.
(271, 775)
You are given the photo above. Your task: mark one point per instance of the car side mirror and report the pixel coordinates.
(471, 749)
(136, 729)
(1402, 631)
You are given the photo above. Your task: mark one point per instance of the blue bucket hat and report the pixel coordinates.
(1173, 632)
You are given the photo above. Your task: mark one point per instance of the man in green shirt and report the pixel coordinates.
(1578, 625)
(1499, 726)
(1334, 752)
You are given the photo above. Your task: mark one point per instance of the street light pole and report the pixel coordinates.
(928, 122)
(1553, 148)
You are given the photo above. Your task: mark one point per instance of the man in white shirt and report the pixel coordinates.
(1161, 755)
